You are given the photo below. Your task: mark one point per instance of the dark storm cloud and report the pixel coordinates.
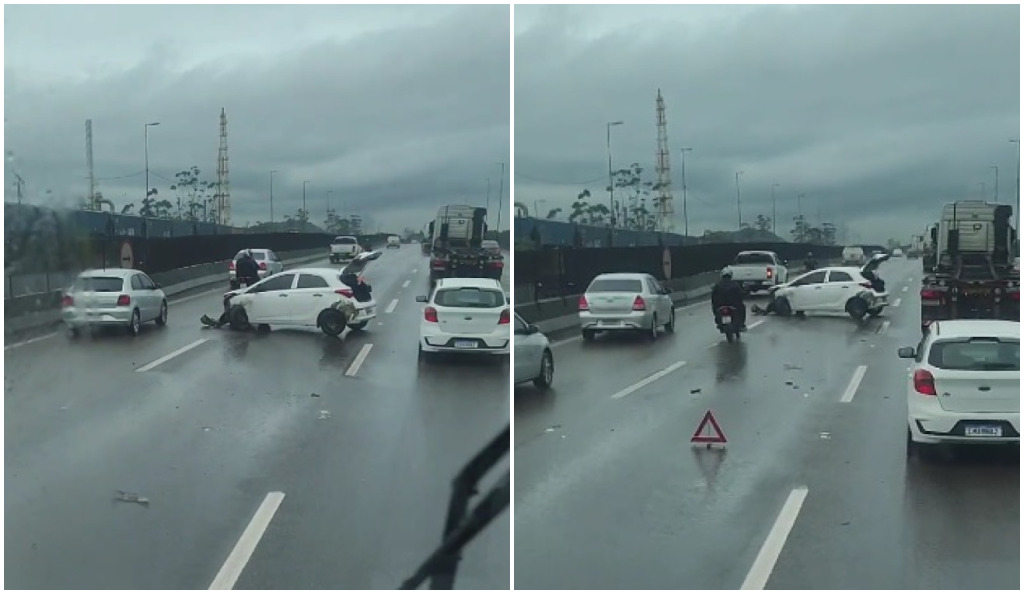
(393, 116)
(878, 114)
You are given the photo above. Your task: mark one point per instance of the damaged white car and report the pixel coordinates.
(323, 298)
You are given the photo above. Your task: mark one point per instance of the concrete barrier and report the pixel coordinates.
(42, 309)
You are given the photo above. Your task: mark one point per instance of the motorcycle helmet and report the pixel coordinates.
(727, 272)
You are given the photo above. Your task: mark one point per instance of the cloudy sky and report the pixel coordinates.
(877, 114)
(395, 110)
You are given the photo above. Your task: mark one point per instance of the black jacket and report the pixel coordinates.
(246, 267)
(727, 292)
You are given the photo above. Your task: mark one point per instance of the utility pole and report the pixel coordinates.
(272, 172)
(304, 213)
(19, 184)
(487, 204)
(501, 189)
(611, 182)
(1017, 205)
(329, 192)
(146, 127)
(775, 185)
(996, 192)
(739, 210)
(682, 167)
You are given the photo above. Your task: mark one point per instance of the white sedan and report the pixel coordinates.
(534, 361)
(964, 384)
(468, 315)
(838, 289)
(323, 298)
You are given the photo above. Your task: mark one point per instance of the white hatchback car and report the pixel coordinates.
(534, 361)
(469, 315)
(964, 384)
(118, 297)
(311, 297)
(858, 292)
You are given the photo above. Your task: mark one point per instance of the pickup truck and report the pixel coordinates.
(759, 271)
(344, 248)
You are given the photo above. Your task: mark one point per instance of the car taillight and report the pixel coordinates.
(123, 300)
(497, 264)
(924, 383)
(430, 315)
(1015, 296)
(770, 273)
(584, 306)
(639, 304)
(437, 262)
(67, 301)
(345, 293)
(263, 265)
(505, 318)
(231, 265)
(930, 294)
(725, 311)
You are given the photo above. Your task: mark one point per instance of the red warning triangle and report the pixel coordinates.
(718, 437)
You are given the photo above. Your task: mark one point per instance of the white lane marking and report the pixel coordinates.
(647, 380)
(897, 302)
(246, 545)
(392, 306)
(166, 358)
(883, 327)
(29, 341)
(406, 284)
(755, 324)
(905, 289)
(851, 388)
(358, 361)
(413, 271)
(763, 565)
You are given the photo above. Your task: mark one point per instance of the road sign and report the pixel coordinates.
(699, 437)
(127, 255)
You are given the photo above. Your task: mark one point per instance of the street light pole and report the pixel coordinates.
(739, 210)
(775, 185)
(1017, 206)
(146, 127)
(682, 167)
(996, 192)
(272, 172)
(488, 203)
(329, 192)
(611, 182)
(304, 197)
(501, 189)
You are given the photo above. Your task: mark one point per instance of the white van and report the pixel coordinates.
(853, 255)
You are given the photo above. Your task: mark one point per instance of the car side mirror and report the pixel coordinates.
(532, 329)
(906, 352)
(421, 299)
(158, 285)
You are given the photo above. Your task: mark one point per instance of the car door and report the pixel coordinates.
(141, 298)
(276, 265)
(659, 297)
(839, 287)
(807, 293)
(527, 357)
(311, 295)
(155, 295)
(271, 300)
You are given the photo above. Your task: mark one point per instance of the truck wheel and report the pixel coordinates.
(857, 308)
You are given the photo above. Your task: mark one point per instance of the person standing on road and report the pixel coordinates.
(728, 293)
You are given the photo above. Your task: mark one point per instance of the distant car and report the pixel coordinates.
(897, 253)
(394, 241)
(113, 297)
(269, 263)
(624, 301)
(467, 315)
(344, 248)
(759, 270)
(858, 292)
(491, 246)
(310, 297)
(534, 361)
(964, 384)
(853, 255)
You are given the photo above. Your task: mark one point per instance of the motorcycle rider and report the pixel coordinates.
(247, 271)
(728, 293)
(810, 263)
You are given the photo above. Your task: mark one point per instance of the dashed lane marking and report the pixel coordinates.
(905, 289)
(405, 285)
(246, 545)
(392, 306)
(413, 271)
(851, 388)
(353, 369)
(168, 357)
(885, 326)
(647, 380)
(29, 341)
(763, 565)
(897, 302)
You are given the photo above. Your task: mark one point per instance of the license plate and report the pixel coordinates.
(465, 344)
(983, 431)
(607, 323)
(976, 292)
(726, 320)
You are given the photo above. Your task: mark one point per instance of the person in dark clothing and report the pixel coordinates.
(810, 263)
(247, 271)
(728, 292)
(360, 289)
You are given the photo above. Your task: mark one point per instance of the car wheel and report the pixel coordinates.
(547, 371)
(782, 307)
(332, 322)
(671, 325)
(424, 356)
(729, 336)
(73, 332)
(589, 335)
(358, 326)
(857, 308)
(162, 319)
(238, 318)
(875, 312)
(653, 332)
(263, 328)
(135, 325)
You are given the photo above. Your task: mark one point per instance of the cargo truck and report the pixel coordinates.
(456, 245)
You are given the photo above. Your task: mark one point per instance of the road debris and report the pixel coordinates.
(129, 497)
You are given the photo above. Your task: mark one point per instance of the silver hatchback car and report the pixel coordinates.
(626, 301)
(113, 297)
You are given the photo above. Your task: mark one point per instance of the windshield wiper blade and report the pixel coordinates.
(462, 527)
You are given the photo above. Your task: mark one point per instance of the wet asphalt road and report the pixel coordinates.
(365, 461)
(609, 493)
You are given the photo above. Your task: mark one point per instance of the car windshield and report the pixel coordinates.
(258, 256)
(469, 297)
(615, 285)
(99, 284)
(754, 259)
(976, 355)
